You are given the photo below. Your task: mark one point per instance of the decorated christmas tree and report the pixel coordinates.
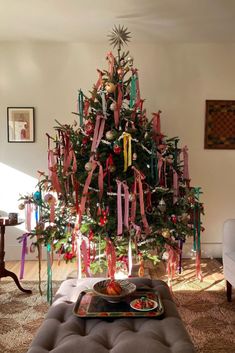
(117, 189)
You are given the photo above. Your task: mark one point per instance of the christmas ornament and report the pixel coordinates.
(119, 36)
(120, 71)
(110, 135)
(49, 198)
(166, 233)
(117, 148)
(37, 196)
(89, 128)
(134, 156)
(130, 60)
(85, 140)
(173, 218)
(110, 87)
(21, 206)
(112, 168)
(88, 166)
(162, 205)
(113, 106)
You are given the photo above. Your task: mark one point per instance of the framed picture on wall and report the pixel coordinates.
(220, 124)
(20, 124)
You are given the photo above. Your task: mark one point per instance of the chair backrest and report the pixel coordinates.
(229, 236)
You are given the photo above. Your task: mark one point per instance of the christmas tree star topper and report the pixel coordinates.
(119, 36)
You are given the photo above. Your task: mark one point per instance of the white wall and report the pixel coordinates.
(174, 78)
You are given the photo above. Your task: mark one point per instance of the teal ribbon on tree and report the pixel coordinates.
(49, 275)
(198, 192)
(154, 164)
(133, 91)
(80, 106)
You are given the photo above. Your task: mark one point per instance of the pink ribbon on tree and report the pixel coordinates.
(185, 168)
(119, 207)
(118, 106)
(99, 81)
(52, 167)
(156, 124)
(23, 253)
(86, 107)
(86, 260)
(29, 208)
(171, 263)
(111, 258)
(98, 132)
(110, 59)
(87, 184)
(139, 177)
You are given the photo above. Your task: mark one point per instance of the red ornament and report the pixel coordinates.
(117, 149)
(174, 218)
(89, 128)
(85, 140)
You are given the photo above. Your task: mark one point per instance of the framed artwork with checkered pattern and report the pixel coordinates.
(220, 124)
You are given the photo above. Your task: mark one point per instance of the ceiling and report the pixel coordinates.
(174, 21)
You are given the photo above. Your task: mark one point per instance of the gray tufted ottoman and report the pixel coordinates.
(63, 332)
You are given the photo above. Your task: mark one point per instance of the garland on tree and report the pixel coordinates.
(117, 186)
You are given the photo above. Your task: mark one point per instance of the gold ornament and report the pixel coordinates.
(166, 233)
(110, 135)
(110, 87)
(21, 206)
(88, 166)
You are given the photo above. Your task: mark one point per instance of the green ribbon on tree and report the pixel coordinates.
(154, 164)
(49, 275)
(133, 91)
(80, 105)
(197, 191)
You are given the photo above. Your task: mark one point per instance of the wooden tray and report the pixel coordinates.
(89, 305)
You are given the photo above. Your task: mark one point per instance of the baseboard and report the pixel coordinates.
(208, 250)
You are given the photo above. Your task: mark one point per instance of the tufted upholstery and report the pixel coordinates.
(229, 255)
(62, 332)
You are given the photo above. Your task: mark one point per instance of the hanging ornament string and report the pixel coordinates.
(127, 150)
(129, 257)
(80, 106)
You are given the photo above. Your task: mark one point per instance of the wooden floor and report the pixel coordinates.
(60, 272)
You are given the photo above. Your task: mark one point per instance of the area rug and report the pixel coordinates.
(208, 317)
(21, 314)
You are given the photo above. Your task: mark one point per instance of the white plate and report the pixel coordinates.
(145, 309)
